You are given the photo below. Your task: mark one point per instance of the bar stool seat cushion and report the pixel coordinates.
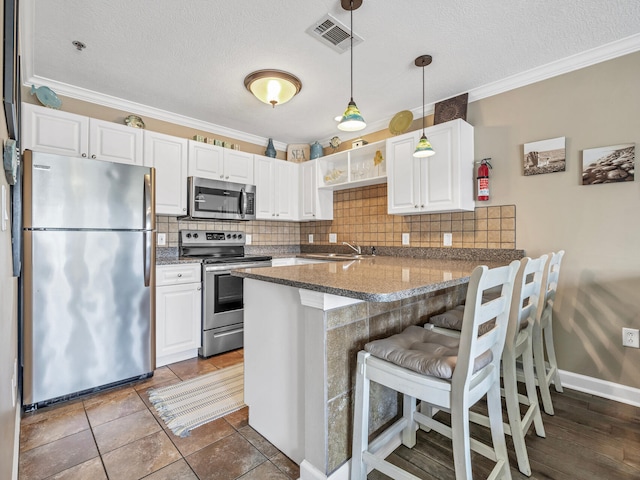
(424, 352)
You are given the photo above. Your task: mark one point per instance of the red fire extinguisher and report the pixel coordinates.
(483, 179)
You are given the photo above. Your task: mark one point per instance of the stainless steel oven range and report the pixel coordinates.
(222, 294)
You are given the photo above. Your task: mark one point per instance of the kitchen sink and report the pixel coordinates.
(335, 256)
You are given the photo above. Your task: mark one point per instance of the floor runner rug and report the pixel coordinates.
(194, 402)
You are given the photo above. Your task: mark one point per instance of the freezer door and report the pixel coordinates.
(80, 193)
(89, 320)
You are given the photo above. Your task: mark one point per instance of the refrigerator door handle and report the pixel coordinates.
(147, 244)
(149, 224)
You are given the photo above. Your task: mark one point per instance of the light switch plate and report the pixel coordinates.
(248, 239)
(311, 238)
(447, 239)
(333, 238)
(162, 239)
(405, 239)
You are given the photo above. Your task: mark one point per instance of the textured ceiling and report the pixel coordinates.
(190, 57)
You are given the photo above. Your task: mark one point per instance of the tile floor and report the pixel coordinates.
(118, 436)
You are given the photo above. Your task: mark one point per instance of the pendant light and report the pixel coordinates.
(423, 149)
(352, 120)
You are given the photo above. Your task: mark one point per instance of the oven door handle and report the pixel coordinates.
(231, 332)
(228, 268)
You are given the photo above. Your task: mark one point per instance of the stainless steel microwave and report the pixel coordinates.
(217, 200)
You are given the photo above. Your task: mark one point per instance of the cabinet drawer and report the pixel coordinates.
(176, 274)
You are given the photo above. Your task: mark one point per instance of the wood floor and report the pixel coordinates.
(588, 438)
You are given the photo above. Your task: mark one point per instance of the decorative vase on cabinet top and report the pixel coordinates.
(271, 150)
(316, 150)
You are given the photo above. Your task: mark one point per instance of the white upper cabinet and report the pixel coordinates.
(276, 189)
(440, 183)
(63, 133)
(218, 163)
(315, 203)
(168, 155)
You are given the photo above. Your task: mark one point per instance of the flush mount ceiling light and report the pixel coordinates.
(273, 87)
(352, 120)
(423, 149)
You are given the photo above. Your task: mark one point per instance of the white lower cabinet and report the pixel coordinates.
(178, 312)
(440, 183)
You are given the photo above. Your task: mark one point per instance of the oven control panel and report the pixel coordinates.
(210, 238)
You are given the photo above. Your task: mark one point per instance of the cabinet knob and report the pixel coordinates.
(421, 206)
(221, 176)
(227, 177)
(179, 274)
(273, 214)
(93, 156)
(199, 288)
(415, 206)
(277, 214)
(184, 209)
(84, 155)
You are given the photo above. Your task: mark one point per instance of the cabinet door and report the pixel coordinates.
(178, 313)
(285, 189)
(115, 143)
(403, 177)
(308, 189)
(205, 160)
(264, 187)
(436, 173)
(53, 131)
(169, 157)
(238, 166)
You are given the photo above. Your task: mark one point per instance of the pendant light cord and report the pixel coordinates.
(351, 38)
(423, 100)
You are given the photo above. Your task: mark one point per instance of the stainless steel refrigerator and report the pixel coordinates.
(89, 281)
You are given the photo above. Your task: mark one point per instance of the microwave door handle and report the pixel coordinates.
(243, 202)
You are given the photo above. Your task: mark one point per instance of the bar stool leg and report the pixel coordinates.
(409, 432)
(494, 406)
(530, 383)
(551, 355)
(541, 370)
(460, 438)
(360, 423)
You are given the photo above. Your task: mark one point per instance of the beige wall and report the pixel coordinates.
(597, 225)
(8, 329)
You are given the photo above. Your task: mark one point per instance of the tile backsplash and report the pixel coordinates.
(360, 216)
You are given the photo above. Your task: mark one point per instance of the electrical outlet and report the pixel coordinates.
(311, 238)
(405, 239)
(447, 239)
(248, 239)
(333, 238)
(162, 239)
(631, 337)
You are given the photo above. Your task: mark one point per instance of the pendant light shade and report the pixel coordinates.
(352, 120)
(424, 148)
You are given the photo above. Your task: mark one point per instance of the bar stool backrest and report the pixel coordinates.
(550, 282)
(476, 314)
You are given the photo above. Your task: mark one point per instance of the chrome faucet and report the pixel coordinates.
(357, 249)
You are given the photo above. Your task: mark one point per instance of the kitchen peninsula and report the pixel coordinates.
(304, 325)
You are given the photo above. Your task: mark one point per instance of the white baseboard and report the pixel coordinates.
(600, 388)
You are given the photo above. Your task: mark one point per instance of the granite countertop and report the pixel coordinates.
(176, 260)
(377, 279)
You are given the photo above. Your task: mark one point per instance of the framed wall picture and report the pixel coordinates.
(608, 164)
(545, 156)
(298, 152)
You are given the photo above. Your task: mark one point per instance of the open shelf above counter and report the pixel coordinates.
(353, 168)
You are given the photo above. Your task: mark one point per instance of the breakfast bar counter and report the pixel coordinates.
(303, 327)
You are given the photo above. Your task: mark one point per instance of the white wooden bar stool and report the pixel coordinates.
(547, 370)
(518, 345)
(447, 373)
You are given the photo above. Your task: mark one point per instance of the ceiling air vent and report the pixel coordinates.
(331, 32)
